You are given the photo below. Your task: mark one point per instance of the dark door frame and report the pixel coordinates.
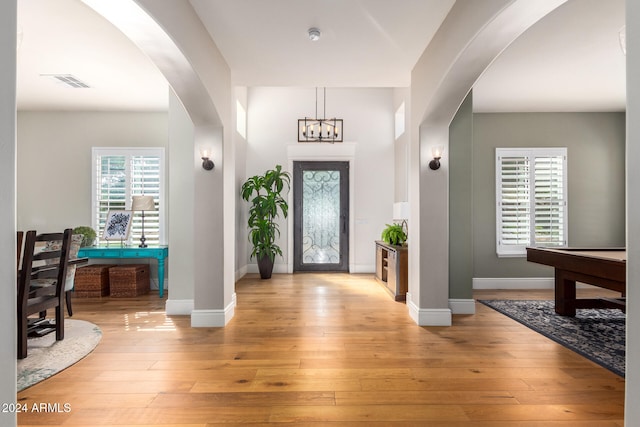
(344, 168)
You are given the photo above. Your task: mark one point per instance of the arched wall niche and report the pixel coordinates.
(173, 37)
(471, 37)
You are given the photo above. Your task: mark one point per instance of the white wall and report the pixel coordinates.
(179, 220)
(8, 11)
(54, 152)
(240, 142)
(402, 146)
(632, 409)
(368, 116)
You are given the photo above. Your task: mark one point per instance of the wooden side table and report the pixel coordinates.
(392, 269)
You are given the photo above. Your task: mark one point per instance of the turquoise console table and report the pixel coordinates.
(117, 252)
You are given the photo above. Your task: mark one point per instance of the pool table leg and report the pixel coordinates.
(565, 293)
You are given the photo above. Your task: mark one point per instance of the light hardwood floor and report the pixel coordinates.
(323, 350)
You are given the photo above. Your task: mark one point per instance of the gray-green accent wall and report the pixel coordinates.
(596, 179)
(460, 202)
(596, 186)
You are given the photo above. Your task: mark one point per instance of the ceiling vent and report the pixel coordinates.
(67, 79)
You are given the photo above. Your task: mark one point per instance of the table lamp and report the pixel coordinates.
(401, 213)
(143, 203)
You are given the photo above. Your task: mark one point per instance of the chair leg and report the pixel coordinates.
(60, 322)
(67, 296)
(22, 335)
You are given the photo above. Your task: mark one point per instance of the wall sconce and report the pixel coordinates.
(207, 163)
(436, 152)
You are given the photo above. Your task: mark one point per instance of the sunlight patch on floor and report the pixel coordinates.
(146, 321)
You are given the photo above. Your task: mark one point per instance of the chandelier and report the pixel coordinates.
(320, 130)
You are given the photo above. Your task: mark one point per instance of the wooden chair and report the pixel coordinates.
(74, 261)
(20, 238)
(76, 240)
(37, 265)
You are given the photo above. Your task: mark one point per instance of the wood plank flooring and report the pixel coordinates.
(322, 350)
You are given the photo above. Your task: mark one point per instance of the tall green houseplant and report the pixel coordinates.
(265, 193)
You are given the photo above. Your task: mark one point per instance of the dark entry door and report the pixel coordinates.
(321, 216)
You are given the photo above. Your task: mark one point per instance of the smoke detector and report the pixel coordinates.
(314, 34)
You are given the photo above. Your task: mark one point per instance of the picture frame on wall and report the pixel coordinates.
(117, 225)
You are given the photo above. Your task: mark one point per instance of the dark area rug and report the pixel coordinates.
(598, 335)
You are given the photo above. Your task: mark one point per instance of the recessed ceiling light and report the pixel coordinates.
(314, 34)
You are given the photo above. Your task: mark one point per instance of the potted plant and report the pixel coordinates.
(265, 193)
(88, 235)
(394, 235)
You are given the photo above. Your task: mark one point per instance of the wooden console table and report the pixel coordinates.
(392, 269)
(117, 252)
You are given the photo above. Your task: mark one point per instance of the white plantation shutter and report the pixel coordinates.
(531, 199)
(145, 180)
(550, 203)
(121, 173)
(515, 201)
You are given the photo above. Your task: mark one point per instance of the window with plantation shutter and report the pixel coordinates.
(531, 193)
(118, 175)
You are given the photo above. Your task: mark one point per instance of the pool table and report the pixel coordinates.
(606, 268)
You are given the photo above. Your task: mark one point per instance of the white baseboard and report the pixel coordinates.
(462, 306)
(178, 307)
(362, 268)
(428, 316)
(241, 272)
(213, 318)
(515, 283)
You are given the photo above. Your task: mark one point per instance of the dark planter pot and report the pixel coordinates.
(265, 265)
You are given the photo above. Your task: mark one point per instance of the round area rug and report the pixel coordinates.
(47, 357)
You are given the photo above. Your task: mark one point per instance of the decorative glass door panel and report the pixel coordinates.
(321, 216)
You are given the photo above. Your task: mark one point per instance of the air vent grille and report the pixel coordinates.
(68, 79)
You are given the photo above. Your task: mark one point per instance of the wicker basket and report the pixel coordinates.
(129, 280)
(91, 281)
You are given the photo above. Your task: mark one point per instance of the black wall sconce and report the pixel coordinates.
(437, 155)
(207, 163)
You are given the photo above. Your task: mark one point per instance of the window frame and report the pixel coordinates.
(128, 152)
(519, 250)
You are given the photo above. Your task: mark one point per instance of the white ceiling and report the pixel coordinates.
(570, 61)
(363, 42)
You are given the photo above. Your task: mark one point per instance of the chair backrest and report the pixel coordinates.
(44, 264)
(74, 248)
(19, 239)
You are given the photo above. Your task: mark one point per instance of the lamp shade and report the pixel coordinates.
(401, 210)
(143, 203)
